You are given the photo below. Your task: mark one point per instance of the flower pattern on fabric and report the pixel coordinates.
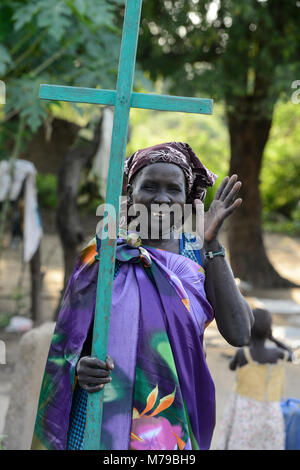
(155, 433)
(162, 345)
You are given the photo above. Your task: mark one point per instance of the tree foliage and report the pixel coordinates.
(225, 48)
(65, 42)
(280, 176)
(247, 55)
(208, 136)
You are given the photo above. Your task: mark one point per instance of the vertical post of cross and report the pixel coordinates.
(92, 439)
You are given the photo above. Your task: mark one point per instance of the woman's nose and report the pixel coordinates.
(161, 198)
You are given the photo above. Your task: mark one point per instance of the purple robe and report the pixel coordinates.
(162, 395)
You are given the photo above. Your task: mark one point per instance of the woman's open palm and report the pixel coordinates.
(222, 206)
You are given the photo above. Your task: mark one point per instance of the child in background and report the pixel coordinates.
(253, 419)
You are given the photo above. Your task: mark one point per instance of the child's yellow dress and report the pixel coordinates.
(253, 419)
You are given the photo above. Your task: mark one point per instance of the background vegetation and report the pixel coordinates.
(243, 55)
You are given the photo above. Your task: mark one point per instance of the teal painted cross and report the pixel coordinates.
(122, 99)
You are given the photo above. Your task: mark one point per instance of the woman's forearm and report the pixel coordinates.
(233, 315)
(280, 344)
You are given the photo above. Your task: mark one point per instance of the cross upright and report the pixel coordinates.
(123, 98)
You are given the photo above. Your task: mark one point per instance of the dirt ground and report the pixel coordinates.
(284, 252)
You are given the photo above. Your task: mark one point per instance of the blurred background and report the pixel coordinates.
(54, 155)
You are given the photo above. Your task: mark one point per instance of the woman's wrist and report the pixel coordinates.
(213, 245)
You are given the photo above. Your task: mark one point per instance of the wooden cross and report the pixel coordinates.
(122, 99)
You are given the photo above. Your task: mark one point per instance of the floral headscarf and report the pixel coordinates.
(197, 176)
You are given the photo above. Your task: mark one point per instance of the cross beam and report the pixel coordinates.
(122, 99)
(137, 100)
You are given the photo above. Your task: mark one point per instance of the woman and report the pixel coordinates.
(253, 418)
(158, 391)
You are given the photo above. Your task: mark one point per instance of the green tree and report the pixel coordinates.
(62, 42)
(66, 42)
(280, 181)
(247, 55)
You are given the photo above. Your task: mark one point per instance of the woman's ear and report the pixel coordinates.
(129, 190)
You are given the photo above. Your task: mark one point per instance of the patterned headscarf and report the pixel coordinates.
(197, 176)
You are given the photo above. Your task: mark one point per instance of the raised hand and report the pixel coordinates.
(223, 205)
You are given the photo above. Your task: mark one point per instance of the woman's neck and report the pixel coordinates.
(258, 343)
(171, 244)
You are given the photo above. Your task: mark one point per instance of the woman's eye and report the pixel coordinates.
(149, 187)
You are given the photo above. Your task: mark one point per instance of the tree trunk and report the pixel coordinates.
(67, 214)
(249, 133)
(37, 276)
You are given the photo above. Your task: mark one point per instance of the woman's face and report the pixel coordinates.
(156, 184)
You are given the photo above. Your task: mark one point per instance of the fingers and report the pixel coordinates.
(93, 362)
(229, 199)
(221, 187)
(233, 206)
(228, 187)
(91, 388)
(93, 373)
(93, 382)
(109, 363)
(90, 380)
(89, 367)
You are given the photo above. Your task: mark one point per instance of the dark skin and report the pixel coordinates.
(260, 353)
(164, 183)
(93, 373)
(159, 183)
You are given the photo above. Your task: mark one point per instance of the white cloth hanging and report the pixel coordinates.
(24, 172)
(101, 160)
